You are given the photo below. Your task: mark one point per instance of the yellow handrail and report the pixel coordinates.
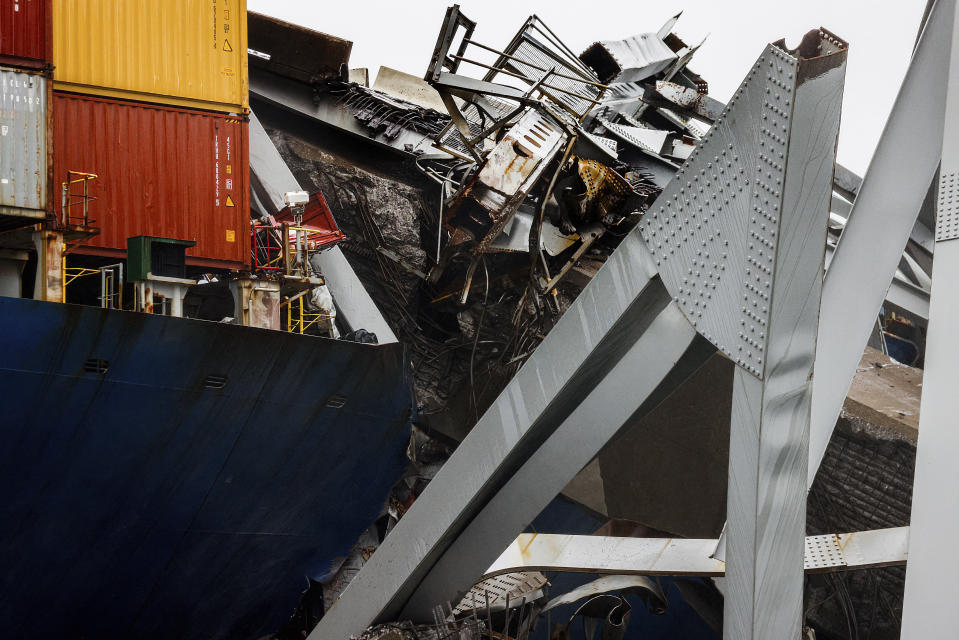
(68, 275)
(84, 198)
(304, 319)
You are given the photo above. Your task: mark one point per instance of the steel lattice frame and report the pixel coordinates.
(769, 156)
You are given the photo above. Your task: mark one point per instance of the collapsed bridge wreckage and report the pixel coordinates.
(532, 195)
(538, 234)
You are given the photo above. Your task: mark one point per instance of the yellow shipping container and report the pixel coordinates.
(188, 53)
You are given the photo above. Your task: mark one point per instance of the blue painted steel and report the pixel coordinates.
(141, 503)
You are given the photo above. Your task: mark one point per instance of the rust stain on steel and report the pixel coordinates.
(264, 304)
(524, 550)
(679, 94)
(844, 540)
(163, 171)
(147, 299)
(512, 168)
(49, 246)
(659, 554)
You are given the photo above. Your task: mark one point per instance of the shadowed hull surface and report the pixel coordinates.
(143, 502)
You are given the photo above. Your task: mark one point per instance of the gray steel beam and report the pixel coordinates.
(299, 98)
(929, 609)
(879, 226)
(901, 293)
(846, 184)
(352, 301)
(910, 297)
(665, 345)
(740, 239)
(769, 430)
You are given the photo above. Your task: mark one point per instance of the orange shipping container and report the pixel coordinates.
(162, 171)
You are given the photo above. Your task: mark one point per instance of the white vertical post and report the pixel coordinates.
(929, 607)
(885, 210)
(772, 390)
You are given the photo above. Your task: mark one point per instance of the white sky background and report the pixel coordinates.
(401, 34)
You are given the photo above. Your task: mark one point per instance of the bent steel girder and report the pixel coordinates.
(607, 555)
(929, 609)
(619, 315)
(325, 108)
(352, 299)
(621, 347)
(739, 238)
(649, 369)
(883, 215)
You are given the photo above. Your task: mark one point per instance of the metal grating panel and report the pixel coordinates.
(947, 218)
(637, 136)
(608, 144)
(531, 51)
(449, 139)
(496, 588)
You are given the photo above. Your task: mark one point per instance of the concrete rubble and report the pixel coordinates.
(476, 207)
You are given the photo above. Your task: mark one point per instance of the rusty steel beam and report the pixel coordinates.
(606, 555)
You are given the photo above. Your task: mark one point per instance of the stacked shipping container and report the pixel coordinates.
(189, 53)
(153, 98)
(25, 56)
(23, 148)
(25, 38)
(165, 172)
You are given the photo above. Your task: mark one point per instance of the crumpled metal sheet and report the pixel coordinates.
(630, 60)
(699, 103)
(642, 585)
(387, 114)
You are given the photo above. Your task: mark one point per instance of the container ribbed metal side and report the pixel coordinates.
(189, 53)
(25, 39)
(161, 171)
(23, 144)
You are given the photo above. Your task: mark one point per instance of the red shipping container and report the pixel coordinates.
(26, 36)
(162, 171)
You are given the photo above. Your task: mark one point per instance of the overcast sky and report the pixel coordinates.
(401, 34)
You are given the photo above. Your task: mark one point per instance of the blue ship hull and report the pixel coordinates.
(142, 501)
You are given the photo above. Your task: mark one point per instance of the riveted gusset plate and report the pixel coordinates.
(947, 217)
(713, 230)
